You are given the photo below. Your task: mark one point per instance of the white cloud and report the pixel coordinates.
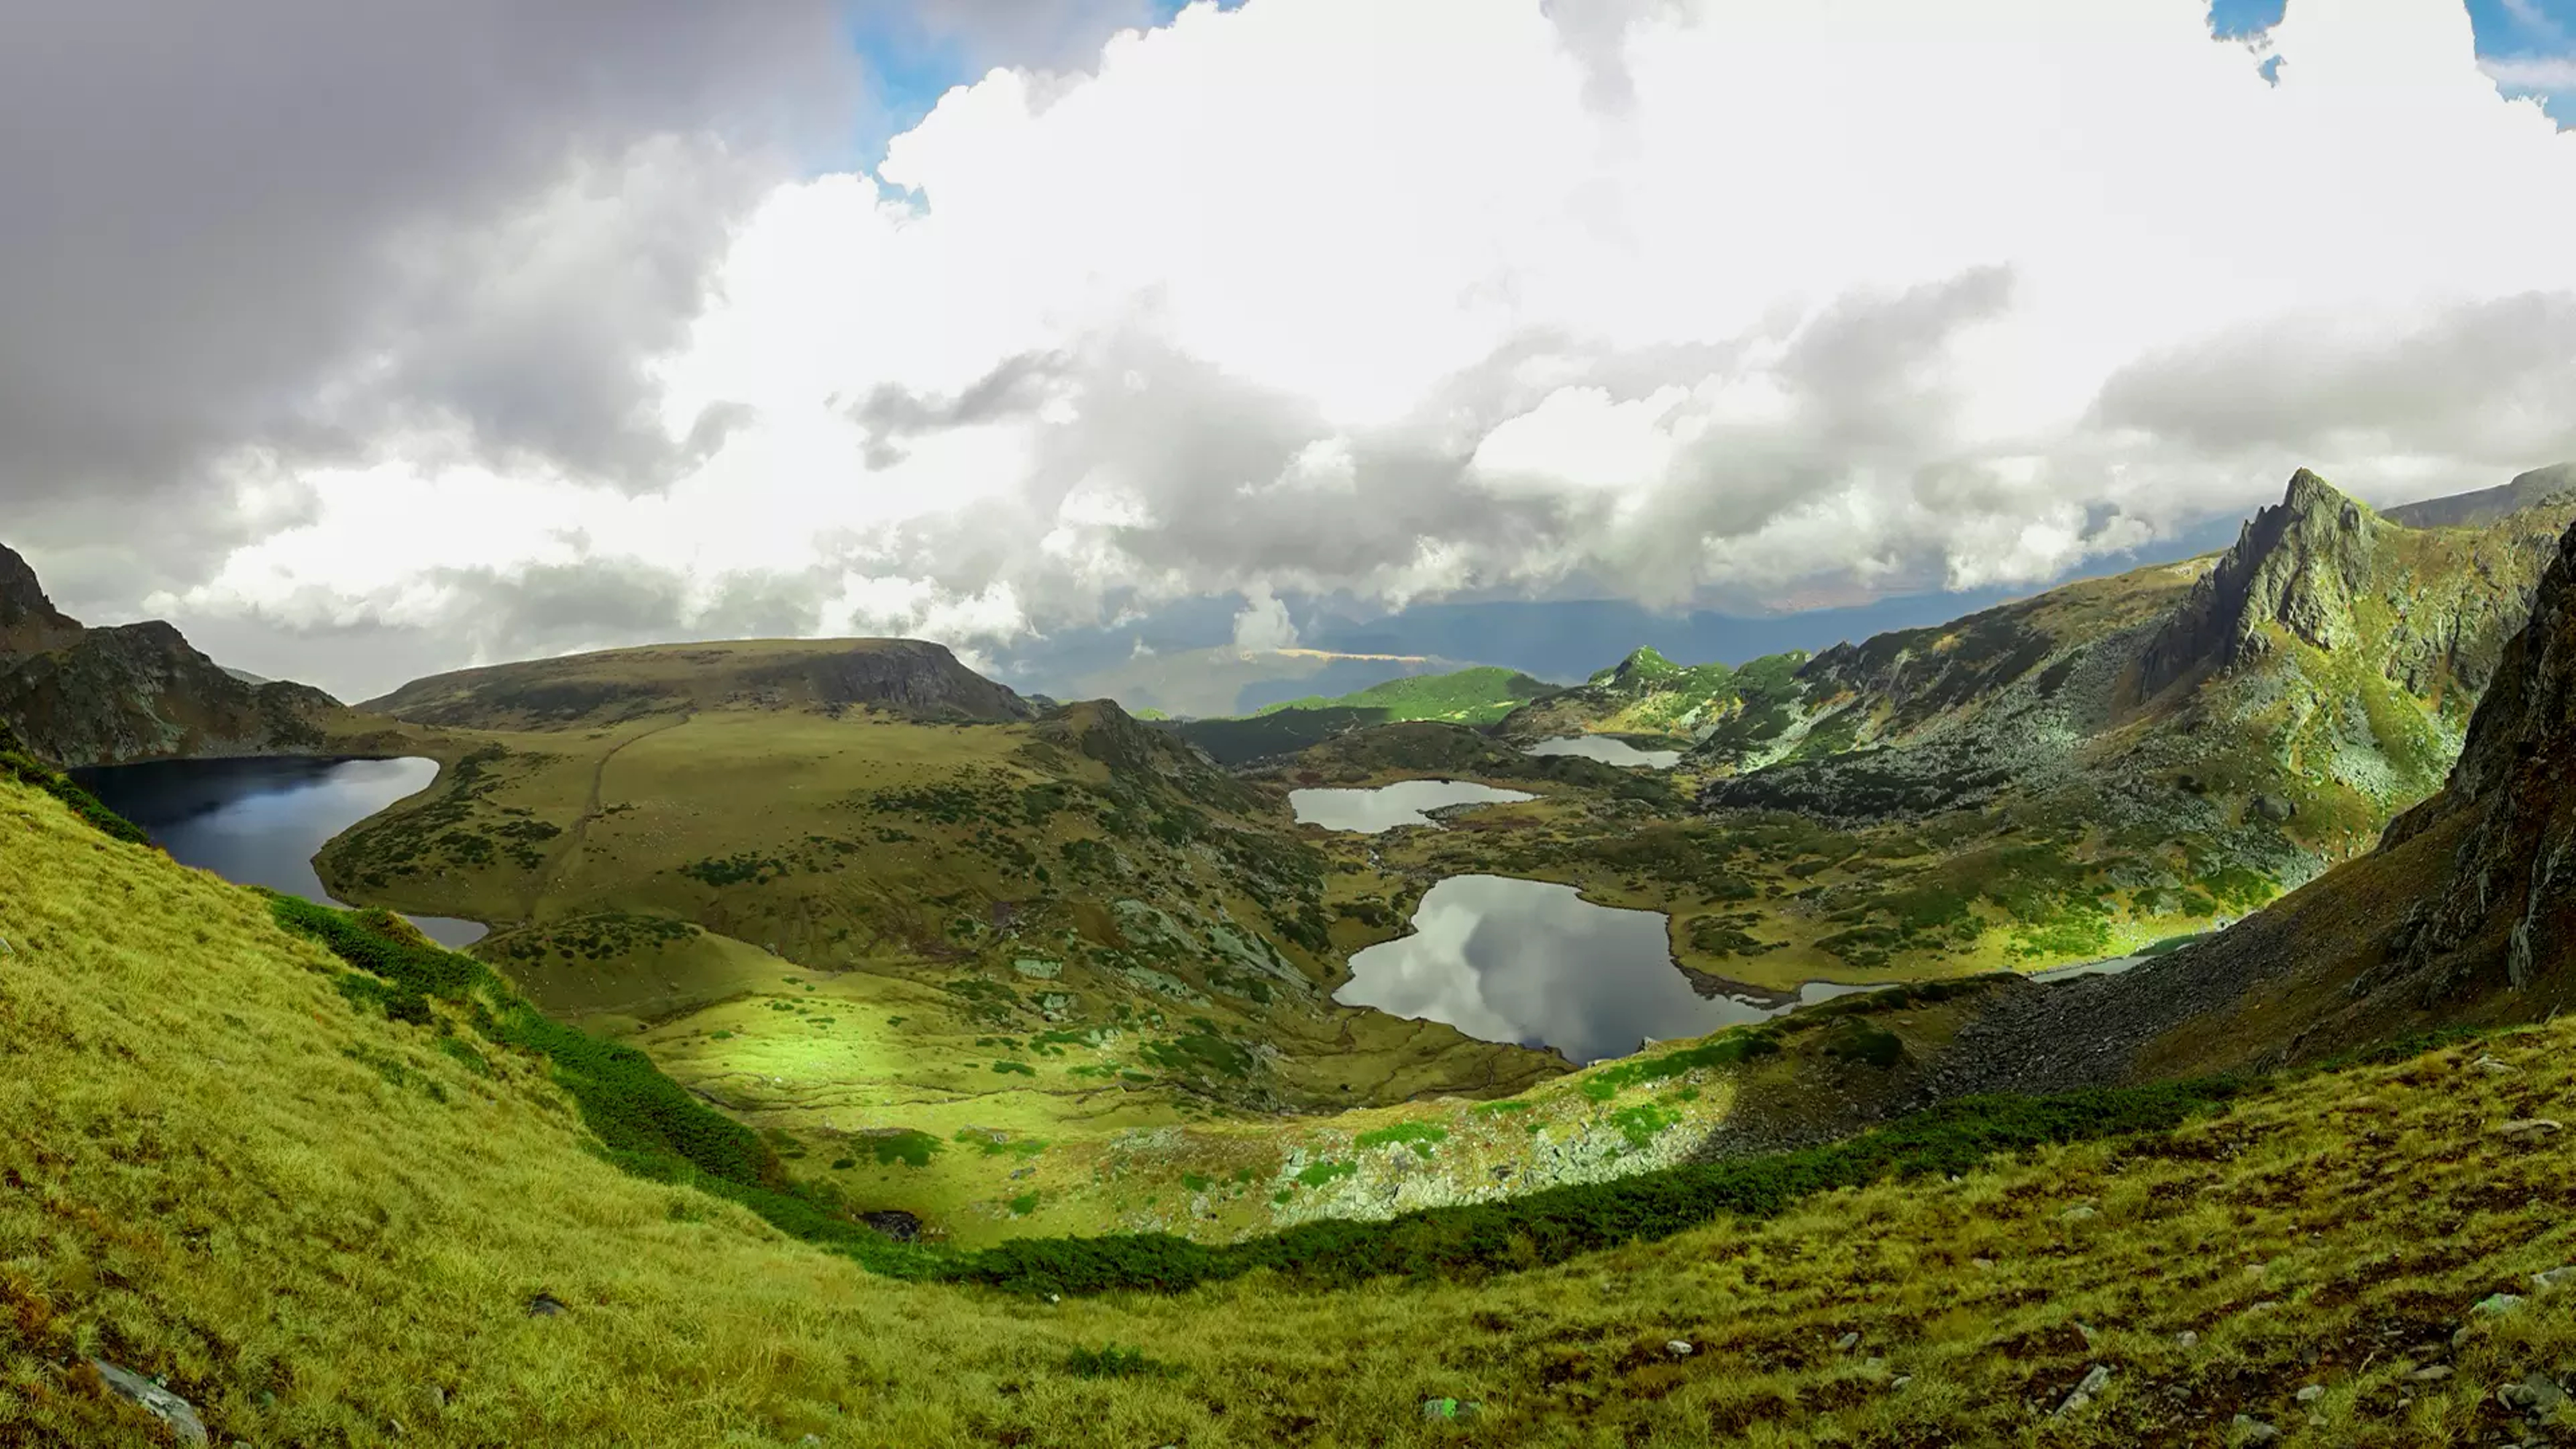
(1264, 623)
(1408, 296)
(2533, 72)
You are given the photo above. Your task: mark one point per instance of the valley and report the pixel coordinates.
(948, 982)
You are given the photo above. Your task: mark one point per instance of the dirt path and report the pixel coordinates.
(567, 862)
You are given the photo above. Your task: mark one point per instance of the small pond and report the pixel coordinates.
(259, 821)
(1531, 962)
(1370, 812)
(1608, 751)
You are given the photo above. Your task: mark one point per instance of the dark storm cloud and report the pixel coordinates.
(286, 222)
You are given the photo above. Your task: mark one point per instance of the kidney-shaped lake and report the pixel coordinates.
(259, 821)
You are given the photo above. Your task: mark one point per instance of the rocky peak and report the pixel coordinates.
(2298, 564)
(1643, 669)
(2505, 911)
(29, 622)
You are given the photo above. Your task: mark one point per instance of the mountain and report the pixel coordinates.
(2278, 703)
(1475, 697)
(83, 696)
(1229, 681)
(2463, 915)
(2469, 510)
(852, 891)
(2114, 766)
(1651, 699)
(908, 676)
(282, 1175)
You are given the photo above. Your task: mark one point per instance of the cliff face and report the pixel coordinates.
(2504, 910)
(136, 692)
(29, 622)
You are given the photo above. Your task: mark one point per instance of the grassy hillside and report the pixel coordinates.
(320, 1224)
(1226, 681)
(1651, 699)
(1473, 697)
(960, 969)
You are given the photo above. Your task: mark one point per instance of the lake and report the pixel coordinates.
(259, 821)
(1534, 963)
(1369, 812)
(1608, 751)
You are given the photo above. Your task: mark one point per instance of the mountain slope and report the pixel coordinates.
(915, 679)
(1650, 698)
(2471, 510)
(849, 925)
(322, 1225)
(2465, 913)
(1475, 697)
(138, 691)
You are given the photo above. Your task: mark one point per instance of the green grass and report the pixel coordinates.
(216, 1181)
(1476, 696)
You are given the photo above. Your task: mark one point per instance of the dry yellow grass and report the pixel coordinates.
(216, 1171)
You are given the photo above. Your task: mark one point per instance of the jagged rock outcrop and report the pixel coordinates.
(2300, 563)
(2505, 910)
(81, 696)
(29, 622)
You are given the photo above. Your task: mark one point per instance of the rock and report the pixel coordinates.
(546, 1305)
(2431, 1373)
(2081, 1212)
(2096, 1380)
(1844, 1344)
(2249, 1430)
(2274, 809)
(2497, 1304)
(2529, 1127)
(2186, 1339)
(1900, 1381)
(2076, 1402)
(2492, 1067)
(2310, 1394)
(2552, 1277)
(1678, 1348)
(1982, 1265)
(2537, 1393)
(157, 1401)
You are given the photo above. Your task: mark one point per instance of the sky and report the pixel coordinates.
(365, 341)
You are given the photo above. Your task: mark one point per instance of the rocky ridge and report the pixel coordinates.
(2290, 695)
(80, 696)
(2465, 912)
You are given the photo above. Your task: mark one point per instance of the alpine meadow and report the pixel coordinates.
(1205, 724)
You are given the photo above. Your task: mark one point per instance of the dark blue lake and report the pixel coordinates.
(259, 821)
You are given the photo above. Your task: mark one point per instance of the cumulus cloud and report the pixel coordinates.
(1704, 300)
(299, 229)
